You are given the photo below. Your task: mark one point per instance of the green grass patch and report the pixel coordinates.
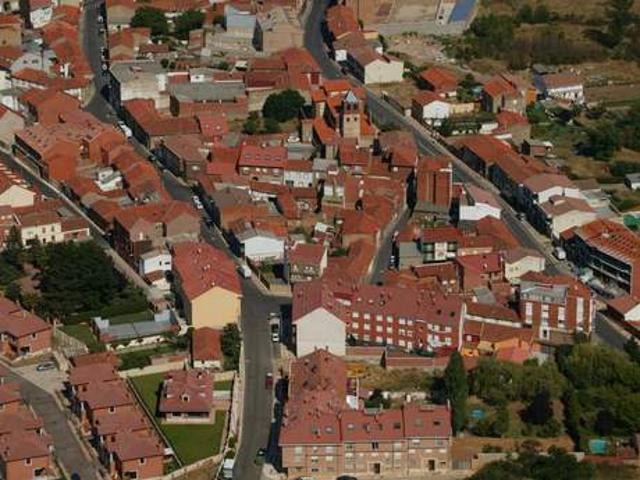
(83, 333)
(142, 358)
(190, 442)
(143, 316)
(223, 385)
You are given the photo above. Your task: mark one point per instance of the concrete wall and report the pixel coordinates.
(320, 329)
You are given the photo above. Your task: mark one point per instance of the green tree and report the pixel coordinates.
(572, 416)
(187, 21)
(539, 411)
(78, 277)
(152, 18)
(541, 14)
(251, 124)
(632, 349)
(37, 255)
(446, 127)
(14, 251)
(619, 19)
(230, 346)
(525, 14)
(283, 106)
(271, 125)
(501, 423)
(13, 291)
(603, 141)
(457, 390)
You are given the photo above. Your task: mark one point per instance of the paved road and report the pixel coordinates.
(382, 111)
(67, 445)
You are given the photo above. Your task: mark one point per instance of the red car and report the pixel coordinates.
(268, 380)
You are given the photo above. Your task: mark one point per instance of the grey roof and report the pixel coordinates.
(126, 71)
(162, 322)
(236, 19)
(201, 92)
(633, 177)
(230, 197)
(550, 293)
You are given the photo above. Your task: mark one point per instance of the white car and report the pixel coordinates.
(197, 203)
(125, 129)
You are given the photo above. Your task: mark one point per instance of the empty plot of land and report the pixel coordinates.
(413, 11)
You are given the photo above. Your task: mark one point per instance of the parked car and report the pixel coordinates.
(268, 381)
(560, 253)
(274, 324)
(244, 270)
(44, 366)
(260, 456)
(196, 202)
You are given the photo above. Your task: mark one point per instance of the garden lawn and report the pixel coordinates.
(190, 442)
(143, 316)
(83, 333)
(223, 385)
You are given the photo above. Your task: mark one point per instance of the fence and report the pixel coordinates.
(70, 346)
(151, 369)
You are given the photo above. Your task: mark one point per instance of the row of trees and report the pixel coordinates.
(156, 20)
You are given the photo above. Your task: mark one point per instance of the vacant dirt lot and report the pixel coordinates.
(413, 10)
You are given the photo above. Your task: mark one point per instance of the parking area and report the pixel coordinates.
(50, 380)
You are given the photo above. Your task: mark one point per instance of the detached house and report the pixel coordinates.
(305, 261)
(207, 283)
(186, 396)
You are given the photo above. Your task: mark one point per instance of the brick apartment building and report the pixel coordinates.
(325, 314)
(325, 433)
(434, 185)
(610, 250)
(559, 304)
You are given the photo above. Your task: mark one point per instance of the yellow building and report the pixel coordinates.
(208, 284)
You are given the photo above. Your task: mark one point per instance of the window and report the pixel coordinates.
(329, 449)
(375, 446)
(379, 328)
(297, 450)
(355, 314)
(27, 461)
(143, 461)
(112, 409)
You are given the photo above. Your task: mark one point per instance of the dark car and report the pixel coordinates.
(260, 456)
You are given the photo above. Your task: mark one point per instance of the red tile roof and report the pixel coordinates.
(205, 344)
(440, 80)
(202, 267)
(186, 391)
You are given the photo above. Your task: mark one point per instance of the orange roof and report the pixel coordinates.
(202, 267)
(205, 344)
(439, 79)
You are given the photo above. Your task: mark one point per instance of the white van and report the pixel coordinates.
(244, 270)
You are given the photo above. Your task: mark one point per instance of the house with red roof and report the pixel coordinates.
(26, 454)
(305, 261)
(479, 270)
(207, 283)
(136, 455)
(142, 228)
(186, 396)
(507, 92)
(205, 348)
(264, 163)
(46, 106)
(440, 81)
(23, 334)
